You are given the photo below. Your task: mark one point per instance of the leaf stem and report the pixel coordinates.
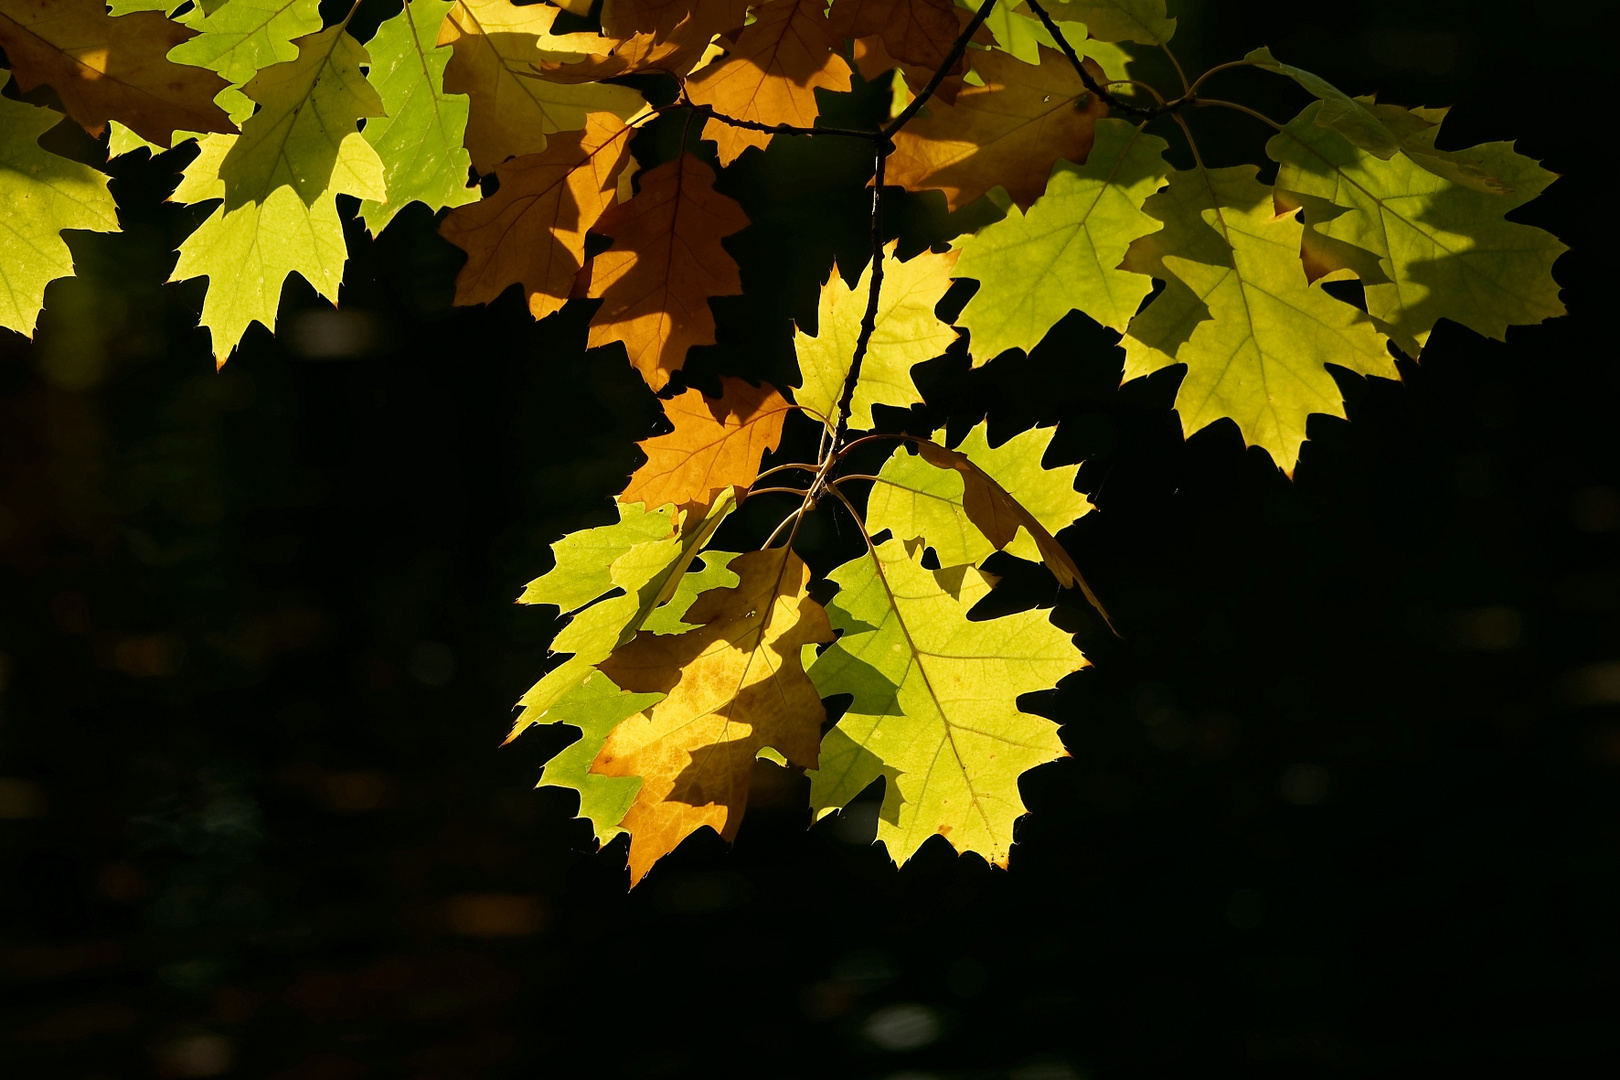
(1260, 116)
(1229, 65)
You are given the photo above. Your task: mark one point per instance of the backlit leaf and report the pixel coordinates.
(496, 45)
(975, 499)
(935, 709)
(734, 687)
(717, 443)
(531, 232)
(1008, 132)
(906, 333)
(771, 75)
(110, 68)
(41, 195)
(665, 263)
(1065, 252)
(419, 140)
(1443, 246)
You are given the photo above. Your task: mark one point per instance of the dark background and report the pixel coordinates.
(1342, 802)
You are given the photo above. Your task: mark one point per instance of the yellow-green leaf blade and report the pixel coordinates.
(41, 195)
(906, 333)
(1443, 243)
(934, 710)
(1065, 253)
(419, 141)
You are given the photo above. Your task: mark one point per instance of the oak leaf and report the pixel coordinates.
(43, 195)
(1141, 21)
(495, 46)
(419, 141)
(673, 37)
(240, 38)
(906, 333)
(531, 232)
(1436, 230)
(1257, 355)
(660, 18)
(975, 499)
(111, 68)
(279, 181)
(1065, 253)
(641, 559)
(915, 34)
(717, 443)
(934, 710)
(1008, 132)
(771, 75)
(665, 263)
(734, 687)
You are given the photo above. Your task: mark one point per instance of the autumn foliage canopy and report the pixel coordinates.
(530, 129)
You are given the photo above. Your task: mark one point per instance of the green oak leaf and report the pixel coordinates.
(1035, 267)
(239, 37)
(1141, 21)
(644, 556)
(1258, 352)
(41, 195)
(247, 253)
(715, 573)
(915, 499)
(1021, 34)
(935, 703)
(595, 706)
(1441, 241)
(420, 139)
(905, 334)
(307, 109)
(1339, 112)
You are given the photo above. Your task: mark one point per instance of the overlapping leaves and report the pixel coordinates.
(680, 664)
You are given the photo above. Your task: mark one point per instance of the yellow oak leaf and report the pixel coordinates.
(106, 68)
(532, 230)
(495, 46)
(906, 333)
(665, 263)
(771, 75)
(623, 18)
(735, 686)
(717, 442)
(673, 37)
(1008, 132)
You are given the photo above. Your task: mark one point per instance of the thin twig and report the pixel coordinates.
(774, 129)
(1244, 109)
(782, 468)
(1115, 104)
(958, 47)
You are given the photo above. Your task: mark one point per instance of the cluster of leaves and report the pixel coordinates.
(684, 664)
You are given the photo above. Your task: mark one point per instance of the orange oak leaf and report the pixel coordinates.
(640, 51)
(105, 68)
(717, 442)
(532, 230)
(735, 686)
(665, 263)
(1009, 131)
(771, 75)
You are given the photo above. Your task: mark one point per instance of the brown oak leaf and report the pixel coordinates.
(771, 75)
(622, 18)
(914, 34)
(532, 230)
(105, 68)
(665, 263)
(735, 685)
(1009, 131)
(717, 442)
